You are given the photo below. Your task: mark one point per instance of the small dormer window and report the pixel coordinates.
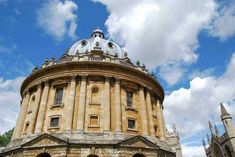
(84, 42)
(110, 44)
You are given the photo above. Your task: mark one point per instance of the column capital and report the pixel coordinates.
(141, 86)
(73, 78)
(46, 82)
(107, 78)
(117, 80)
(83, 76)
(26, 92)
(39, 85)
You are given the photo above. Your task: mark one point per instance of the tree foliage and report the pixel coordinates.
(5, 138)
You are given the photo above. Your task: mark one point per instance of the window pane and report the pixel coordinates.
(131, 124)
(54, 122)
(59, 96)
(93, 120)
(129, 99)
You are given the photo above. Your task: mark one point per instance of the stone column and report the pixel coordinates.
(70, 105)
(143, 112)
(118, 114)
(163, 122)
(82, 104)
(106, 100)
(42, 108)
(150, 114)
(160, 120)
(23, 112)
(35, 109)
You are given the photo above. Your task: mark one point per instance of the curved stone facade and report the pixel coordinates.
(96, 102)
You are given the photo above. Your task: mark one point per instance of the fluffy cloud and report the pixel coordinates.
(58, 18)
(191, 108)
(171, 73)
(193, 151)
(9, 102)
(224, 24)
(159, 32)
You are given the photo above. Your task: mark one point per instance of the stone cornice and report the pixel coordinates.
(93, 68)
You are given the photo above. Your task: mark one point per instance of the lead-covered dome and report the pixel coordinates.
(97, 42)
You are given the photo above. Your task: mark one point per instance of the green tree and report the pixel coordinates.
(5, 138)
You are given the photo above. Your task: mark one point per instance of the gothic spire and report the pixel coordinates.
(174, 128)
(216, 131)
(223, 111)
(204, 144)
(211, 128)
(208, 138)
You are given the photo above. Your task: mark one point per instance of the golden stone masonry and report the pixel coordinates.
(92, 102)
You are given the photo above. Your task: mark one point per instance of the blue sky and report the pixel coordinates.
(189, 45)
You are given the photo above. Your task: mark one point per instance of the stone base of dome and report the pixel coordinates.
(85, 144)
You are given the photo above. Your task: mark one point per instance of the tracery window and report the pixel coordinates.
(228, 151)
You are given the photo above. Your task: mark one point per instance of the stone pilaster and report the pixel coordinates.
(82, 104)
(160, 120)
(118, 114)
(70, 105)
(143, 112)
(20, 122)
(150, 114)
(42, 108)
(35, 110)
(163, 122)
(106, 100)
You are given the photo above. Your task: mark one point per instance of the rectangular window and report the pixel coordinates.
(54, 122)
(129, 99)
(94, 120)
(155, 128)
(26, 127)
(131, 124)
(58, 96)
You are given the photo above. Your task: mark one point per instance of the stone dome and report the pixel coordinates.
(96, 42)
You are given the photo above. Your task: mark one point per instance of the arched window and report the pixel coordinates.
(33, 99)
(217, 150)
(92, 155)
(58, 96)
(31, 104)
(44, 155)
(139, 155)
(95, 95)
(228, 152)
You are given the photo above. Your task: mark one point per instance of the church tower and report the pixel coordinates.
(221, 145)
(228, 126)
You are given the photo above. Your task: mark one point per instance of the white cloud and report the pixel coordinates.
(193, 151)
(224, 24)
(9, 102)
(171, 73)
(58, 18)
(159, 32)
(191, 108)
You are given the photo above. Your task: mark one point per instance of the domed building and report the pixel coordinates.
(92, 102)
